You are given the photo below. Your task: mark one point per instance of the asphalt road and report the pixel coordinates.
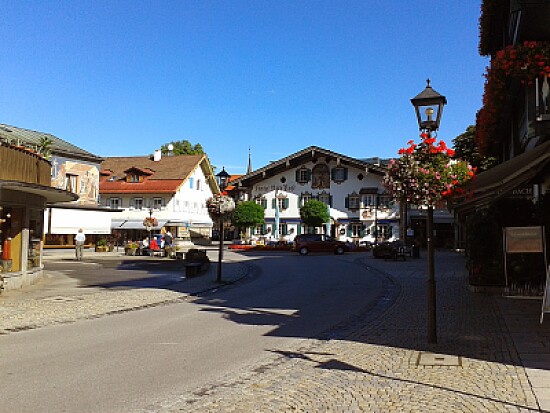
(137, 360)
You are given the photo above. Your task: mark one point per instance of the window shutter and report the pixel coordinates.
(330, 201)
(299, 201)
(349, 231)
(285, 203)
(108, 202)
(273, 203)
(345, 174)
(299, 230)
(333, 174)
(309, 175)
(363, 230)
(347, 202)
(297, 175)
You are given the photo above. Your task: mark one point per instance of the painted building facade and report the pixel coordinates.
(358, 203)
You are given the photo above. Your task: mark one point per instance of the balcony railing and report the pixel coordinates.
(19, 164)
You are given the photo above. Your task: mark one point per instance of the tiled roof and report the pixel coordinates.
(14, 135)
(148, 186)
(167, 174)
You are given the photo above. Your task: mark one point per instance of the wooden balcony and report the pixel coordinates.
(19, 164)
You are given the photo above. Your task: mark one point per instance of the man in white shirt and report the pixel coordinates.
(79, 240)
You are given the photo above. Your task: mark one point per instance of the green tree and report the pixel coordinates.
(314, 213)
(248, 214)
(465, 147)
(183, 147)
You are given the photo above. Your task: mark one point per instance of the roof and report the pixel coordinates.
(163, 176)
(298, 158)
(14, 134)
(502, 178)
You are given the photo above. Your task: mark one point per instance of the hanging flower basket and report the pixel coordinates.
(219, 206)
(150, 222)
(425, 173)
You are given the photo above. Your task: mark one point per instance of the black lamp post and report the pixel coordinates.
(223, 179)
(429, 107)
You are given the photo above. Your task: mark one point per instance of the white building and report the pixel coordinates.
(352, 189)
(172, 189)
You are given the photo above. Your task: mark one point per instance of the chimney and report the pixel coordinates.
(157, 155)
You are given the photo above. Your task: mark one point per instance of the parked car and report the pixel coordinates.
(391, 250)
(306, 243)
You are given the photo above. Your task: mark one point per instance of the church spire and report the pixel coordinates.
(249, 169)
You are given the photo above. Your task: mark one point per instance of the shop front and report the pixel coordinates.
(24, 194)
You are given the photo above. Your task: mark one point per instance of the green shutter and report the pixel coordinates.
(347, 202)
(297, 175)
(345, 174)
(285, 203)
(273, 203)
(309, 175)
(349, 230)
(299, 229)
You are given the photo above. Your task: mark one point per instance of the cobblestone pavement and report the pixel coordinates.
(383, 364)
(491, 356)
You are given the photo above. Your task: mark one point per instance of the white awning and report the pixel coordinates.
(69, 221)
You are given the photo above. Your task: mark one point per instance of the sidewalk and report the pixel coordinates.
(60, 299)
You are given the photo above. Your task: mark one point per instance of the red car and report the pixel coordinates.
(318, 243)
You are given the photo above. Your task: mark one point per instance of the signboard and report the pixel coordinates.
(523, 239)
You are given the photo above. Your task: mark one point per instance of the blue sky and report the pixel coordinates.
(120, 78)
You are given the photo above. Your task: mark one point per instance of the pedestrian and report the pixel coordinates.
(79, 239)
(168, 239)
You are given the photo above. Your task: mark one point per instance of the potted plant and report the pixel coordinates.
(101, 246)
(131, 248)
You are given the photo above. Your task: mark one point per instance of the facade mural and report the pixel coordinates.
(78, 177)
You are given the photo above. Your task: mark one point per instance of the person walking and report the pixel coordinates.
(79, 240)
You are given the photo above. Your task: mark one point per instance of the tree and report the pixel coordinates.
(183, 147)
(466, 148)
(314, 213)
(248, 214)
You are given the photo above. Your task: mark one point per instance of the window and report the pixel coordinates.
(384, 200)
(369, 200)
(260, 230)
(283, 203)
(114, 203)
(303, 175)
(283, 229)
(133, 178)
(262, 201)
(339, 174)
(70, 183)
(138, 203)
(198, 184)
(305, 198)
(324, 198)
(356, 230)
(354, 202)
(157, 203)
(191, 183)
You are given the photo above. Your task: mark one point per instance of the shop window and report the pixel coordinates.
(356, 230)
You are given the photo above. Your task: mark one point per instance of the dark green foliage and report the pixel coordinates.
(183, 147)
(466, 149)
(248, 214)
(314, 213)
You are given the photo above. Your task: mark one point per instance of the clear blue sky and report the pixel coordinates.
(120, 78)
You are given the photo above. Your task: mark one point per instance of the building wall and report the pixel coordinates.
(343, 218)
(78, 176)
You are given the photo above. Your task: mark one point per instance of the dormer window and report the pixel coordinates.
(136, 175)
(133, 178)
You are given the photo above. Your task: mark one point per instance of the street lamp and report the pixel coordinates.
(429, 107)
(223, 179)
